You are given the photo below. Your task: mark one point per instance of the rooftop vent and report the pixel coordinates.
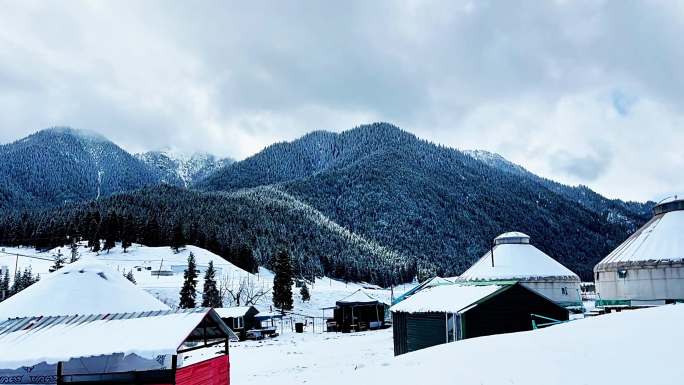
(513, 237)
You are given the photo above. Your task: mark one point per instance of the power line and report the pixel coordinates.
(27, 256)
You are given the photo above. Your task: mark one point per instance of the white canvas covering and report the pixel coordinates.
(518, 262)
(146, 337)
(445, 298)
(661, 239)
(83, 287)
(232, 312)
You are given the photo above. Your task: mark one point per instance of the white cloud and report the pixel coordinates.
(583, 92)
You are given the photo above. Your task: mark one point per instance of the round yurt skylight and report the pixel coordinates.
(513, 237)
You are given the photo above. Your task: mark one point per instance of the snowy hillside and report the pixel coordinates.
(182, 169)
(146, 261)
(632, 347)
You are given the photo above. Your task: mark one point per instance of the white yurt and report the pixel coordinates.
(648, 268)
(513, 258)
(84, 287)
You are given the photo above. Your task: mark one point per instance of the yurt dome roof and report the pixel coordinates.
(83, 287)
(659, 240)
(516, 259)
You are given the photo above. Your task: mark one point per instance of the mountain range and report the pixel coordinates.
(62, 165)
(417, 207)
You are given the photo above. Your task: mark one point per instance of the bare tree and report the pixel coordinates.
(240, 291)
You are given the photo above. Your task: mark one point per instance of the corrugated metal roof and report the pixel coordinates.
(33, 340)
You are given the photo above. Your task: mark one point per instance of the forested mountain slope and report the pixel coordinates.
(246, 227)
(432, 202)
(629, 213)
(62, 165)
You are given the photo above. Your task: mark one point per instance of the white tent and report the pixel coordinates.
(83, 287)
(512, 257)
(647, 268)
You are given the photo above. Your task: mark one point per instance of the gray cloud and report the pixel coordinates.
(539, 82)
(585, 167)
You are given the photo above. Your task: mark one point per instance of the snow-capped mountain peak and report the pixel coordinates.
(182, 169)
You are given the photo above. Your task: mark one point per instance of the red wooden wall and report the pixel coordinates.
(215, 371)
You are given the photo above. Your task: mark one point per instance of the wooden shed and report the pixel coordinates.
(449, 313)
(185, 347)
(359, 311)
(240, 319)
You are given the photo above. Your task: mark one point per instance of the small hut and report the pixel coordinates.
(240, 319)
(184, 347)
(447, 313)
(359, 311)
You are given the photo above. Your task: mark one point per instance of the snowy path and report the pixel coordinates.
(307, 358)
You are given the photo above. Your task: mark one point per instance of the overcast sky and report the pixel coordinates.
(581, 92)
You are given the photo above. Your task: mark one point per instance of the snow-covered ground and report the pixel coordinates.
(324, 292)
(631, 347)
(309, 358)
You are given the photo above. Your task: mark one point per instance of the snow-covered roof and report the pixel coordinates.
(659, 240)
(518, 261)
(83, 287)
(445, 298)
(232, 312)
(434, 281)
(52, 339)
(359, 297)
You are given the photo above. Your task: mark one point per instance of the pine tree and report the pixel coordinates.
(129, 276)
(4, 285)
(177, 237)
(74, 250)
(151, 232)
(110, 230)
(96, 245)
(17, 283)
(210, 294)
(94, 234)
(127, 232)
(282, 282)
(58, 262)
(304, 292)
(188, 292)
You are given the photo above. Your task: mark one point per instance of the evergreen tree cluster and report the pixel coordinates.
(245, 228)
(22, 280)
